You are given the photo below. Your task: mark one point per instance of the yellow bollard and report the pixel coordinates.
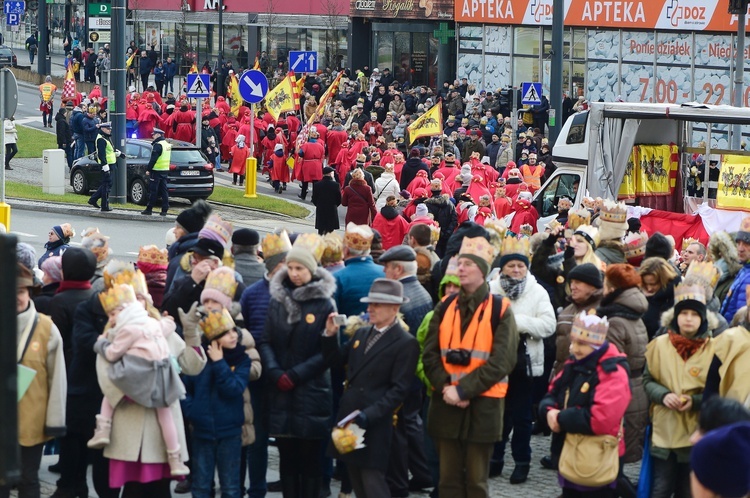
(251, 178)
(5, 215)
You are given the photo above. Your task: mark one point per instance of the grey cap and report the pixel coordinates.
(106, 125)
(398, 253)
(385, 291)
(158, 130)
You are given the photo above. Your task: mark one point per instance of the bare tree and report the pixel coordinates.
(272, 19)
(333, 11)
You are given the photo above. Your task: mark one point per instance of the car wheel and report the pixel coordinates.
(79, 183)
(138, 193)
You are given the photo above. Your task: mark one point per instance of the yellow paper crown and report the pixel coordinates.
(635, 245)
(119, 272)
(222, 279)
(358, 237)
(687, 291)
(590, 329)
(513, 245)
(216, 324)
(333, 250)
(67, 230)
(613, 212)
(311, 242)
(452, 268)
(434, 233)
(275, 243)
(589, 202)
(686, 242)
(97, 244)
(116, 296)
(588, 232)
(153, 255)
(496, 225)
(703, 273)
(579, 217)
(477, 246)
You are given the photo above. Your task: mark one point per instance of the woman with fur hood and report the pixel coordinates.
(723, 252)
(299, 384)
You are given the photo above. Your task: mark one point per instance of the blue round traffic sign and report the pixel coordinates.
(253, 86)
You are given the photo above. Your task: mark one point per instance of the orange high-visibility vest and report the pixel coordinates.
(477, 339)
(532, 178)
(47, 90)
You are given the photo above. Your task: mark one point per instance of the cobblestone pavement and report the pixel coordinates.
(542, 483)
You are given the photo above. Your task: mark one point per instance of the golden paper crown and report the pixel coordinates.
(613, 212)
(216, 324)
(478, 246)
(98, 244)
(452, 268)
(527, 230)
(434, 233)
(153, 255)
(589, 202)
(311, 242)
(333, 250)
(67, 230)
(89, 231)
(703, 273)
(119, 272)
(579, 217)
(358, 237)
(745, 224)
(275, 243)
(513, 245)
(687, 291)
(590, 329)
(116, 296)
(635, 245)
(222, 279)
(686, 242)
(496, 225)
(552, 225)
(588, 232)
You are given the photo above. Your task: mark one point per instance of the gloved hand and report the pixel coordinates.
(118, 153)
(105, 168)
(190, 330)
(285, 383)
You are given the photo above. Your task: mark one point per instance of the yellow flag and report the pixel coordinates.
(237, 100)
(301, 84)
(193, 68)
(427, 125)
(281, 98)
(129, 61)
(257, 64)
(325, 99)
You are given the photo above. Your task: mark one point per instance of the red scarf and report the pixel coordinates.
(685, 347)
(73, 284)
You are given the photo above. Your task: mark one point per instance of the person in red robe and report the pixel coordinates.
(503, 206)
(335, 137)
(148, 119)
(183, 123)
(239, 152)
(279, 168)
(227, 140)
(419, 181)
(221, 103)
(526, 214)
(311, 155)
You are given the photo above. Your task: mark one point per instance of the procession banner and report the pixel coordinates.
(655, 170)
(428, 124)
(734, 183)
(281, 98)
(627, 188)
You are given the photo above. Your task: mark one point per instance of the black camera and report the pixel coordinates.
(460, 357)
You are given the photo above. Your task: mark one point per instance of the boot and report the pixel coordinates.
(101, 433)
(176, 467)
(520, 473)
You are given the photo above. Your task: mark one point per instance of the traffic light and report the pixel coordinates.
(737, 6)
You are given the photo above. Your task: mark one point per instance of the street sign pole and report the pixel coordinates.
(118, 76)
(198, 122)
(251, 165)
(8, 106)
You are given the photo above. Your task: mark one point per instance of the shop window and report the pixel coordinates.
(526, 41)
(564, 185)
(384, 44)
(525, 69)
(579, 44)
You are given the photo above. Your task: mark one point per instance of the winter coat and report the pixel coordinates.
(611, 252)
(250, 267)
(482, 420)
(214, 402)
(291, 346)
(176, 251)
(503, 156)
(385, 185)
(357, 197)
(658, 304)
(471, 146)
(377, 384)
(409, 171)
(310, 167)
(535, 319)
(353, 283)
(564, 324)
(444, 213)
(397, 106)
(44, 297)
(62, 128)
(326, 197)
(627, 333)
(736, 297)
(254, 305)
(62, 309)
(599, 393)
(89, 128)
(392, 227)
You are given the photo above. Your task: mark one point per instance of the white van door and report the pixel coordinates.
(564, 183)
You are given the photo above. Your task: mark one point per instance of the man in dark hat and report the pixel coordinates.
(245, 243)
(107, 156)
(381, 359)
(473, 145)
(157, 171)
(326, 196)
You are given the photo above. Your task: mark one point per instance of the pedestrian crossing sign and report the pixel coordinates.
(198, 86)
(531, 93)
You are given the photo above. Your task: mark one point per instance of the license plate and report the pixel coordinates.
(188, 172)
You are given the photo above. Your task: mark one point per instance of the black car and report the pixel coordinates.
(191, 176)
(7, 57)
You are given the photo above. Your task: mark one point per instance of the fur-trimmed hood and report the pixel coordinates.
(668, 316)
(722, 247)
(322, 286)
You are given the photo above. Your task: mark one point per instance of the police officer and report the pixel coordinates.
(157, 170)
(107, 156)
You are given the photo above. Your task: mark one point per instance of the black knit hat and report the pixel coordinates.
(587, 273)
(193, 218)
(78, 264)
(658, 246)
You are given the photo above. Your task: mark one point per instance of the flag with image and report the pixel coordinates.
(428, 125)
(282, 97)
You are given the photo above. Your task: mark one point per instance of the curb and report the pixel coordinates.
(55, 207)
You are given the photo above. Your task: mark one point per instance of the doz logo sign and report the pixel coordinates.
(683, 13)
(540, 10)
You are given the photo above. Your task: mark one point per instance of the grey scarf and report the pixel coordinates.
(512, 287)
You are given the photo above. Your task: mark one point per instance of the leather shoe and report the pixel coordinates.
(183, 487)
(147, 212)
(520, 473)
(9, 168)
(274, 487)
(418, 485)
(163, 213)
(547, 463)
(496, 468)
(106, 210)
(94, 204)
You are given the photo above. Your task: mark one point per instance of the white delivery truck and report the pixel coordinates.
(593, 151)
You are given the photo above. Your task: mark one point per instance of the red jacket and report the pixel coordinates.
(334, 140)
(357, 196)
(392, 227)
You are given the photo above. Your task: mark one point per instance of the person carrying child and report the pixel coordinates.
(140, 366)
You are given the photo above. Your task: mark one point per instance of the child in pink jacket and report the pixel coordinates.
(141, 368)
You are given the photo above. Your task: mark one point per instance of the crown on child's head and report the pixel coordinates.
(590, 329)
(689, 292)
(703, 272)
(216, 324)
(116, 296)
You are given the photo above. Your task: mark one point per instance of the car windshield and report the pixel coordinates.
(189, 156)
(5, 52)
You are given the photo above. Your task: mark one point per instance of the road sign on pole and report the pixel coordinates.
(13, 19)
(198, 85)
(14, 7)
(531, 93)
(253, 86)
(303, 62)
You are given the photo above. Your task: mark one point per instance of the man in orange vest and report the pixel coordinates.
(532, 173)
(47, 94)
(470, 349)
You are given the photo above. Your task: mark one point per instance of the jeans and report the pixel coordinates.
(169, 85)
(28, 487)
(210, 454)
(80, 146)
(517, 418)
(68, 148)
(257, 453)
(32, 53)
(670, 477)
(157, 187)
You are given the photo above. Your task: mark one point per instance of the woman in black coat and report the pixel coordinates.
(326, 197)
(299, 391)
